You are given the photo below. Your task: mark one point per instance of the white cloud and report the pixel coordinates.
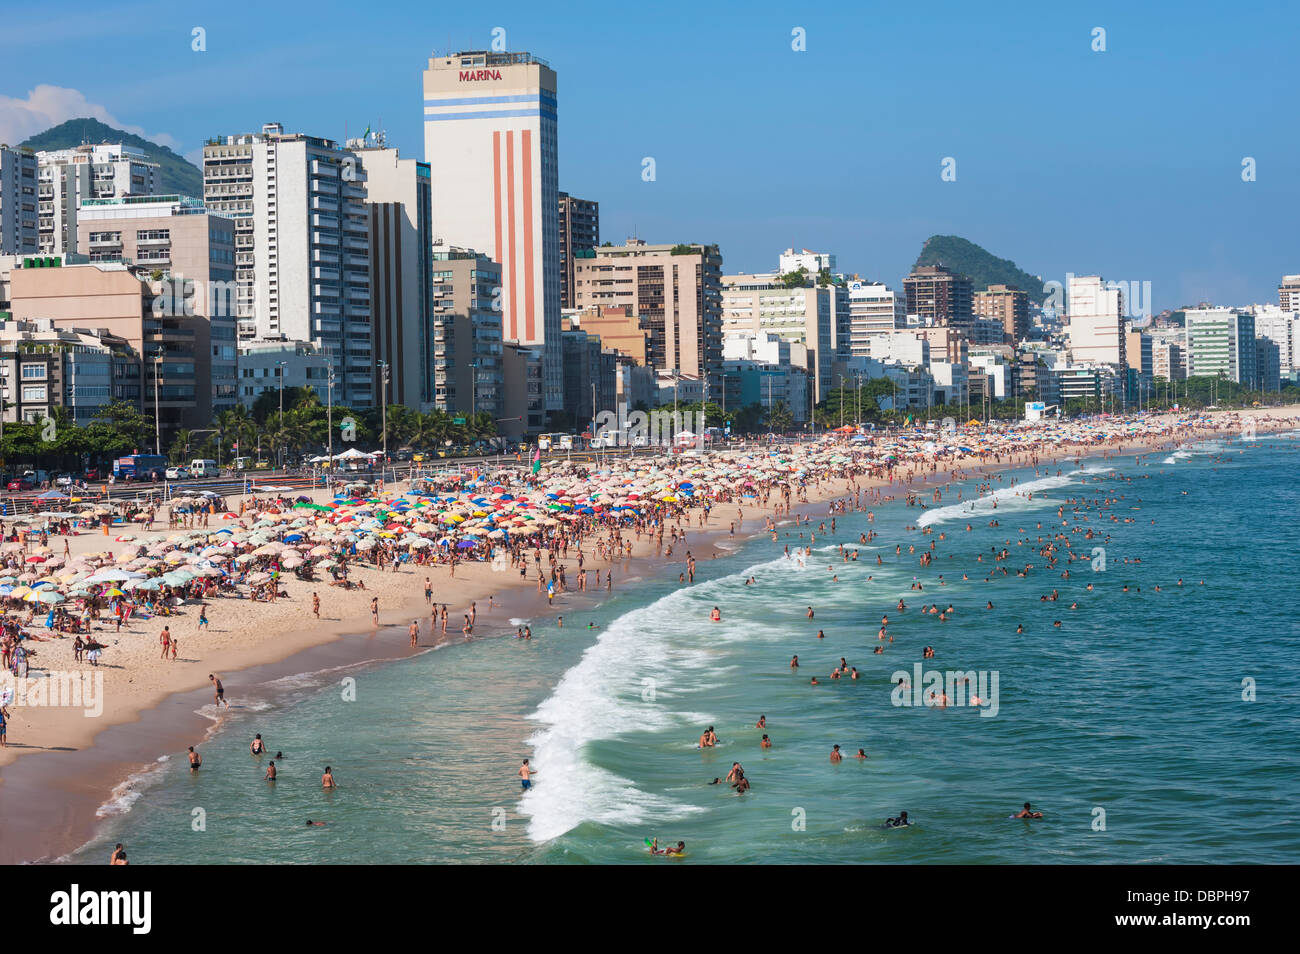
(47, 106)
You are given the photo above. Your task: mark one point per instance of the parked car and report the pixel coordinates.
(63, 480)
(91, 473)
(178, 473)
(20, 483)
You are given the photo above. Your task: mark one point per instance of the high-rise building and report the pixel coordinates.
(873, 309)
(579, 229)
(490, 138)
(675, 289)
(1167, 360)
(70, 177)
(800, 314)
(1221, 343)
(1009, 305)
(1288, 293)
(122, 300)
(44, 365)
(1096, 321)
(938, 296)
(191, 251)
(814, 263)
(19, 234)
(468, 370)
(1283, 329)
(302, 246)
(399, 197)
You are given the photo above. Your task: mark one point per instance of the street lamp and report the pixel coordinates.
(329, 408)
(279, 370)
(157, 427)
(383, 397)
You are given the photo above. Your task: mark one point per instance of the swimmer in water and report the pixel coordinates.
(1027, 812)
(256, 746)
(315, 824)
(899, 822)
(679, 849)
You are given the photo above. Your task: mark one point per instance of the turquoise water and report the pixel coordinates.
(1133, 707)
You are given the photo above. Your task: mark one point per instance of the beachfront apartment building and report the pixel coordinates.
(873, 308)
(44, 366)
(1221, 342)
(1283, 329)
(1095, 321)
(399, 198)
(1288, 293)
(1008, 305)
(939, 296)
(675, 289)
(814, 263)
(807, 315)
(1168, 352)
(468, 350)
(272, 365)
(302, 246)
(123, 301)
(491, 141)
(19, 234)
(579, 229)
(71, 177)
(191, 252)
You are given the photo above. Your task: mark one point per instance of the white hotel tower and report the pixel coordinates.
(490, 142)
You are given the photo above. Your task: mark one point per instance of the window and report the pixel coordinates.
(33, 372)
(34, 393)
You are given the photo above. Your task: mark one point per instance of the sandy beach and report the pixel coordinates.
(149, 703)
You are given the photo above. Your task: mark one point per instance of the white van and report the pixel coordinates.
(203, 468)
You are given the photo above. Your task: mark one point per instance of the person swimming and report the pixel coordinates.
(678, 849)
(1027, 812)
(899, 822)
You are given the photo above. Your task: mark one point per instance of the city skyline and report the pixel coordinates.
(1108, 165)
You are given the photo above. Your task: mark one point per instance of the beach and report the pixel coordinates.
(261, 642)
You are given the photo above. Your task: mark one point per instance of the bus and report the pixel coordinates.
(140, 467)
(554, 442)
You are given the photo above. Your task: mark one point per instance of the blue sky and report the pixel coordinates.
(1125, 163)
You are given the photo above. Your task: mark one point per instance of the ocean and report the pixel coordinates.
(1149, 727)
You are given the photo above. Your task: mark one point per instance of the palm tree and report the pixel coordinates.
(779, 417)
(236, 426)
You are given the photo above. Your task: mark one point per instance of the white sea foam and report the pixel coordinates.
(1008, 499)
(126, 793)
(607, 694)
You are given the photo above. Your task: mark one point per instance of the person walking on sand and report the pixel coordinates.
(414, 632)
(165, 638)
(203, 616)
(176, 645)
(315, 604)
(374, 609)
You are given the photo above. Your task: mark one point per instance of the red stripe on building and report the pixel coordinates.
(528, 235)
(496, 189)
(510, 227)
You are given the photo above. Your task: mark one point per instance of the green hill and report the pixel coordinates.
(983, 267)
(175, 174)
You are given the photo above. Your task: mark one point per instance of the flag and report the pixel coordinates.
(537, 459)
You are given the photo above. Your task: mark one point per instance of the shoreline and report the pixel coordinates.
(125, 743)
